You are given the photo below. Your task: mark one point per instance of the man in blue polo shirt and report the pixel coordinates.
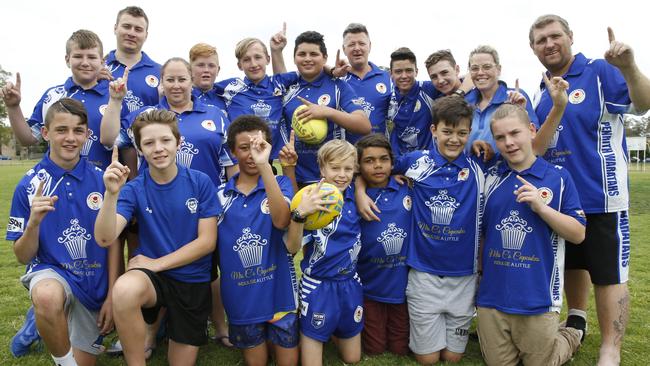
(590, 143)
(372, 85)
(409, 115)
(171, 267)
(520, 293)
(51, 223)
(325, 97)
(131, 31)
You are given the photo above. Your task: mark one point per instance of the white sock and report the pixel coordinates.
(67, 360)
(578, 312)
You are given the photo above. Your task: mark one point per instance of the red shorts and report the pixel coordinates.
(385, 328)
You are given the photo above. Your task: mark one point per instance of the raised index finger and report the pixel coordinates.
(39, 190)
(115, 155)
(292, 138)
(338, 57)
(284, 28)
(610, 34)
(18, 81)
(547, 82)
(517, 85)
(522, 180)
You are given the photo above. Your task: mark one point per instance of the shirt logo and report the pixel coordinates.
(15, 224)
(418, 105)
(209, 125)
(133, 102)
(261, 109)
(556, 136)
(381, 88)
(407, 202)
(152, 81)
(577, 96)
(358, 314)
(545, 194)
(463, 174)
(318, 320)
(442, 207)
(513, 231)
(264, 206)
(192, 204)
(89, 143)
(249, 246)
(324, 99)
(94, 201)
(410, 138)
(186, 153)
(102, 108)
(392, 239)
(74, 239)
(356, 248)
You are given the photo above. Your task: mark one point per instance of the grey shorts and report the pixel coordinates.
(82, 323)
(441, 309)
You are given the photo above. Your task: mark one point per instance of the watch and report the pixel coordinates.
(459, 92)
(297, 217)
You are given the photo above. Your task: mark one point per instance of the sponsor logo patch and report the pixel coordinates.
(16, 224)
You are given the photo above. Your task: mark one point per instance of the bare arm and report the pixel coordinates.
(355, 122)
(110, 125)
(11, 96)
(278, 42)
(556, 87)
(622, 56)
(109, 224)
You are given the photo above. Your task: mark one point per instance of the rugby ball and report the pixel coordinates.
(311, 131)
(320, 219)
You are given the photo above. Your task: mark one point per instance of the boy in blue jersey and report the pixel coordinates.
(382, 259)
(204, 61)
(331, 301)
(520, 295)
(372, 85)
(51, 223)
(409, 116)
(171, 267)
(590, 143)
(325, 98)
(255, 263)
(84, 58)
(131, 31)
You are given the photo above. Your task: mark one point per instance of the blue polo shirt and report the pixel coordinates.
(95, 100)
(209, 97)
(382, 260)
(253, 259)
(374, 91)
(327, 91)
(523, 258)
(482, 118)
(144, 78)
(203, 138)
(264, 99)
(331, 253)
(447, 207)
(66, 237)
(168, 217)
(590, 140)
(409, 118)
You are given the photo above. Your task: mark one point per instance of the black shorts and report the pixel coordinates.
(188, 306)
(605, 252)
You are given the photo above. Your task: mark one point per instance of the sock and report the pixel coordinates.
(67, 360)
(578, 312)
(578, 319)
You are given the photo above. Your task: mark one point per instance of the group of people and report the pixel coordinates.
(183, 171)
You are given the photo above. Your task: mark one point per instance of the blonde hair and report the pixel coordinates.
(489, 50)
(243, 46)
(336, 150)
(202, 50)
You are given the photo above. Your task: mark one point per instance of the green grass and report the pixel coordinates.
(15, 302)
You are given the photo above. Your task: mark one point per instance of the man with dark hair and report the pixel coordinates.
(589, 142)
(52, 223)
(131, 31)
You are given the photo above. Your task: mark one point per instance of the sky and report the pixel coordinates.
(34, 32)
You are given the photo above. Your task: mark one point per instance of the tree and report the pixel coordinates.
(4, 75)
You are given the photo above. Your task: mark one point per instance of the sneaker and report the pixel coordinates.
(579, 323)
(26, 336)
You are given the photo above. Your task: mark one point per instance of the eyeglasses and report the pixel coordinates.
(484, 67)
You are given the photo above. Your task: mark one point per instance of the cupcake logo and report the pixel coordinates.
(442, 207)
(513, 231)
(186, 153)
(410, 138)
(261, 109)
(249, 247)
(74, 239)
(133, 102)
(89, 143)
(392, 239)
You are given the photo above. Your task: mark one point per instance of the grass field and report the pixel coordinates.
(15, 302)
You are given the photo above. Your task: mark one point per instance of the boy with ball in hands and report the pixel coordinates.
(171, 268)
(531, 208)
(51, 223)
(331, 301)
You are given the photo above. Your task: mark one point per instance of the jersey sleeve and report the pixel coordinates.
(348, 99)
(127, 201)
(570, 203)
(35, 121)
(286, 79)
(529, 108)
(615, 92)
(286, 187)
(225, 155)
(18, 214)
(209, 205)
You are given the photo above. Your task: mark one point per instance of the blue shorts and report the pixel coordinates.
(330, 308)
(283, 333)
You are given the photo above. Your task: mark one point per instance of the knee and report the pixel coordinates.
(48, 297)
(428, 359)
(452, 357)
(351, 358)
(128, 292)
